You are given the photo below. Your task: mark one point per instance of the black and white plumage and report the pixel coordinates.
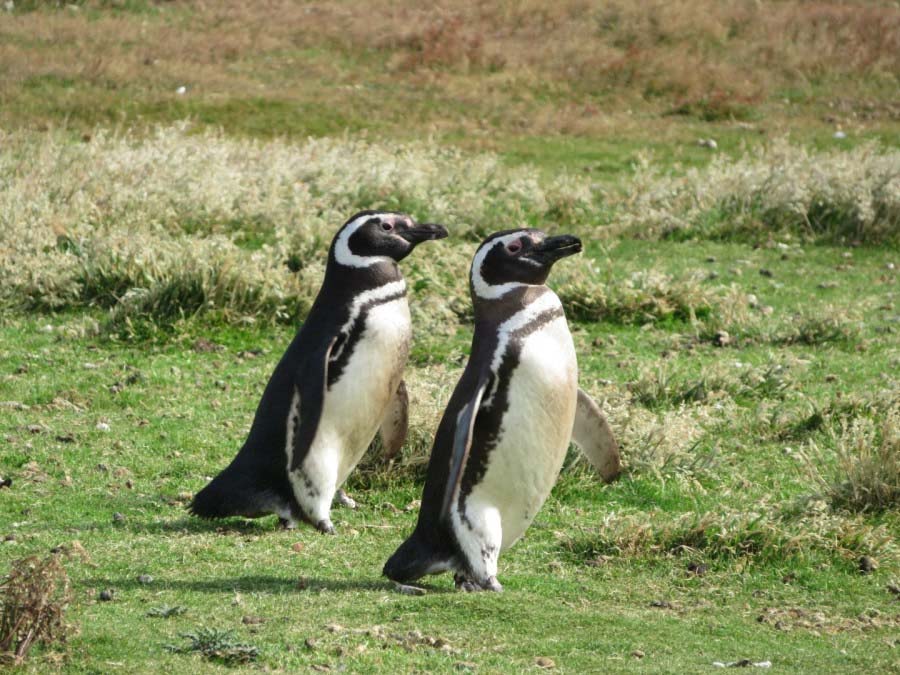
(338, 381)
(504, 435)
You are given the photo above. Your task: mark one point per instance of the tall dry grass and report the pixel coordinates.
(165, 226)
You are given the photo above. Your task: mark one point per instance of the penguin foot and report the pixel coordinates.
(344, 499)
(287, 523)
(467, 585)
(493, 585)
(325, 527)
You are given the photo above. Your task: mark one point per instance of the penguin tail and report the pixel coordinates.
(228, 494)
(414, 559)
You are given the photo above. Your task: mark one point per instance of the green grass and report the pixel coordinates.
(580, 587)
(734, 444)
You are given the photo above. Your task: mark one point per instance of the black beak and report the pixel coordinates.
(553, 248)
(423, 232)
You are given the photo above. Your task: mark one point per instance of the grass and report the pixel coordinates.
(735, 315)
(707, 482)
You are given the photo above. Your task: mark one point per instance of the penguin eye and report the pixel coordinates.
(386, 226)
(514, 246)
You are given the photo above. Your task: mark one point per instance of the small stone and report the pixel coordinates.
(544, 662)
(763, 272)
(311, 643)
(145, 579)
(867, 564)
(252, 620)
(890, 266)
(118, 517)
(661, 604)
(698, 569)
(296, 547)
(638, 654)
(722, 338)
(21, 370)
(106, 595)
(5, 482)
(711, 259)
(334, 628)
(102, 426)
(831, 377)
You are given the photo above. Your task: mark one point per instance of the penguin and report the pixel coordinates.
(338, 382)
(505, 432)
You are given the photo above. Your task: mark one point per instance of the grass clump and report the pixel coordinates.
(839, 197)
(216, 645)
(645, 296)
(33, 599)
(762, 535)
(865, 474)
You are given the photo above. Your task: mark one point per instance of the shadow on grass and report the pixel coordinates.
(256, 583)
(193, 525)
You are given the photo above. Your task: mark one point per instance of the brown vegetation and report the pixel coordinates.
(521, 66)
(34, 597)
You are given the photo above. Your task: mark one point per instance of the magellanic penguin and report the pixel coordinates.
(339, 380)
(504, 435)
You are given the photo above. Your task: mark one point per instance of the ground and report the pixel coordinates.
(735, 313)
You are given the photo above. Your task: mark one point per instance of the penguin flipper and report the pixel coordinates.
(311, 383)
(592, 434)
(462, 444)
(396, 422)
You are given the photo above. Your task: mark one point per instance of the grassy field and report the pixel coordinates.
(735, 314)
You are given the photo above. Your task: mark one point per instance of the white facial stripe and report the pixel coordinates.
(385, 291)
(484, 289)
(342, 252)
(546, 301)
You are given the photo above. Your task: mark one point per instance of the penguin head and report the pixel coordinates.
(371, 237)
(515, 258)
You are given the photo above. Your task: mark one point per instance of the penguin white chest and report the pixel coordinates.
(356, 403)
(535, 430)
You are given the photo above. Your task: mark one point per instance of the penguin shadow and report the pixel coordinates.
(253, 583)
(192, 525)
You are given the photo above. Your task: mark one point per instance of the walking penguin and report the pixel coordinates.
(339, 380)
(504, 435)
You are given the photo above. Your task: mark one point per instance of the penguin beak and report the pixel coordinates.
(552, 249)
(423, 232)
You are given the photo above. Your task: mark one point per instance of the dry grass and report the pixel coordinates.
(866, 473)
(851, 196)
(563, 62)
(163, 228)
(33, 599)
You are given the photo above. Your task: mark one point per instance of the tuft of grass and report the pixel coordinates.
(865, 475)
(660, 388)
(216, 645)
(33, 600)
(763, 536)
(646, 296)
(839, 197)
(166, 612)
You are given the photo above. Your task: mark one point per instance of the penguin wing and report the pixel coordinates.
(592, 434)
(396, 422)
(311, 383)
(462, 443)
